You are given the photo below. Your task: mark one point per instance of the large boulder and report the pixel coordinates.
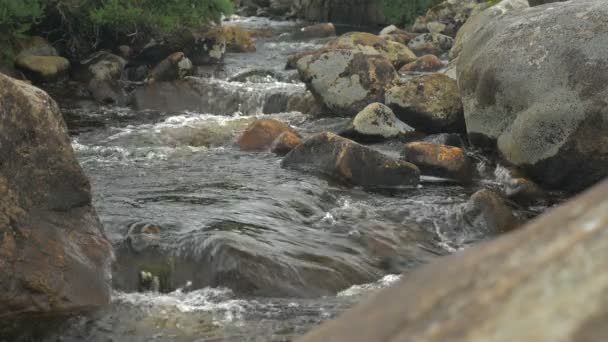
(346, 81)
(430, 103)
(533, 85)
(375, 122)
(54, 259)
(370, 44)
(346, 161)
(542, 282)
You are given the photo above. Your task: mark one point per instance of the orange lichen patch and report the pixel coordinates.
(238, 39)
(260, 134)
(285, 142)
(439, 160)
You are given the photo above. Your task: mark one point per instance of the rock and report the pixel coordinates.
(207, 48)
(43, 68)
(369, 44)
(376, 122)
(175, 67)
(388, 30)
(346, 161)
(106, 91)
(305, 103)
(285, 142)
(436, 27)
(479, 21)
(34, 46)
(503, 289)
(450, 139)
(487, 211)
(401, 37)
(439, 160)
(346, 81)
(292, 60)
(322, 30)
(542, 2)
(524, 191)
(451, 13)
(260, 134)
(419, 25)
(429, 103)
(125, 51)
(426, 63)
(54, 258)
(276, 103)
(102, 66)
(237, 39)
(543, 110)
(431, 43)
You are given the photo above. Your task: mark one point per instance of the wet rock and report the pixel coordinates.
(292, 60)
(544, 110)
(276, 103)
(305, 103)
(449, 139)
(285, 142)
(346, 81)
(400, 36)
(43, 68)
(260, 134)
(431, 43)
(207, 48)
(175, 67)
(102, 72)
(487, 211)
(524, 191)
(322, 30)
(346, 161)
(439, 160)
(429, 103)
(426, 63)
(376, 122)
(256, 76)
(478, 21)
(537, 270)
(542, 2)
(237, 39)
(54, 258)
(370, 44)
(451, 13)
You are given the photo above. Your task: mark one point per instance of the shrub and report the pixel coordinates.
(402, 12)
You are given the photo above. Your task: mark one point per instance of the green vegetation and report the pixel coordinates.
(402, 12)
(91, 22)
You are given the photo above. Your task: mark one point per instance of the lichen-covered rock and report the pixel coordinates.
(346, 81)
(451, 13)
(175, 67)
(431, 43)
(260, 134)
(538, 283)
(376, 122)
(450, 139)
(426, 63)
(43, 68)
(400, 36)
(285, 142)
(321, 30)
(305, 103)
(533, 87)
(346, 161)
(370, 44)
(430, 103)
(54, 259)
(487, 211)
(439, 160)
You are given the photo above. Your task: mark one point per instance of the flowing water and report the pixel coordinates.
(253, 252)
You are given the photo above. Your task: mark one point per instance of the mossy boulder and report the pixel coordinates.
(43, 68)
(430, 103)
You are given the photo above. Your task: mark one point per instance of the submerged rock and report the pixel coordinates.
(346, 81)
(54, 258)
(285, 142)
(517, 287)
(539, 98)
(430, 103)
(439, 160)
(346, 161)
(376, 122)
(260, 134)
(487, 211)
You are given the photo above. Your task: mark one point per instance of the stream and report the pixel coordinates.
(255, 252)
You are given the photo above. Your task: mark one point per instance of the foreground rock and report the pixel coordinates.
(260, 134)
(54, 259)
(346, 81)
(346, 161)
(439, 160)
(376, 122)
(430, 103)
(503, 290)
(544, 107)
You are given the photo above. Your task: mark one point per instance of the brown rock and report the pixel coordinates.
(285, 142)
(346, 161)
(370, 44)
(488, 212)
(524, 191)
(423, 63)
(538, 283)
(237, 39)
(54, 258)
(260, 134)
(439, 160)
